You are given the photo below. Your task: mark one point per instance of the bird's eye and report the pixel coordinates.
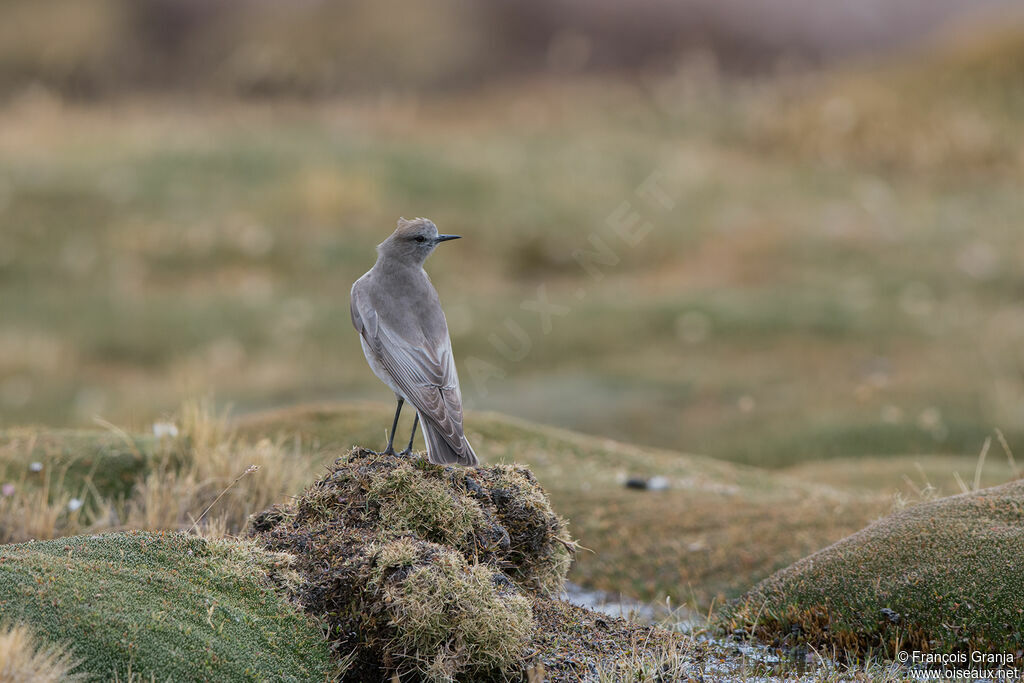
(421, 238)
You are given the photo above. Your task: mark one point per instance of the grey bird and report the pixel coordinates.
(402, 328)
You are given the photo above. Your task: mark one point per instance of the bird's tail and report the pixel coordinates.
(440, 452)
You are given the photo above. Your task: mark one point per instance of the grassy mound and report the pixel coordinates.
(941, 576)
(421, 569)
(166, 605)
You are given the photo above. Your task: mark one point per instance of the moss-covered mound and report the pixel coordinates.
(419, 569)
(943, 576)
(168, 606)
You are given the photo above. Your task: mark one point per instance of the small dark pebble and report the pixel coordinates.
(657, 483)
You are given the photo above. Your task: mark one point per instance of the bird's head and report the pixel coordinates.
(413, 241)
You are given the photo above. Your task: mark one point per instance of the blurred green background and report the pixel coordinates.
(832, 264)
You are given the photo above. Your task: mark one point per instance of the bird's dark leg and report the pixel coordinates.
(408, 449)
(390, 450)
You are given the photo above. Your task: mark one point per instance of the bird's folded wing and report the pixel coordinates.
(426, 376)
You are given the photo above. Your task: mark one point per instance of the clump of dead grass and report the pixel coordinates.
(423, 570)
(24, 658)
(406, 606)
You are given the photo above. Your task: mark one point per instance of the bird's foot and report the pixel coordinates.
(388, 451)
(407, 453)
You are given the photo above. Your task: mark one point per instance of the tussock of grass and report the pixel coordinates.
(166, 605)
(497, 514)
(944, 575)
(24, 658)
(422, 569)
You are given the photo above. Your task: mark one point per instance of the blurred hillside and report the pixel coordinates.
(833, 268)
(95, 48)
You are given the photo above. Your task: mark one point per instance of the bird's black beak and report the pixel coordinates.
(445, 238)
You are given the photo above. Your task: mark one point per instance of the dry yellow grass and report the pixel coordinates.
(209, 469)
(24, 658)
(205, 479)
(39, 513)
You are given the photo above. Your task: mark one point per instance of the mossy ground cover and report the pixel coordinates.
(942, 576)
(170, 606)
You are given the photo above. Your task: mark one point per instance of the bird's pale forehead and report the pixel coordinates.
(416, 226)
